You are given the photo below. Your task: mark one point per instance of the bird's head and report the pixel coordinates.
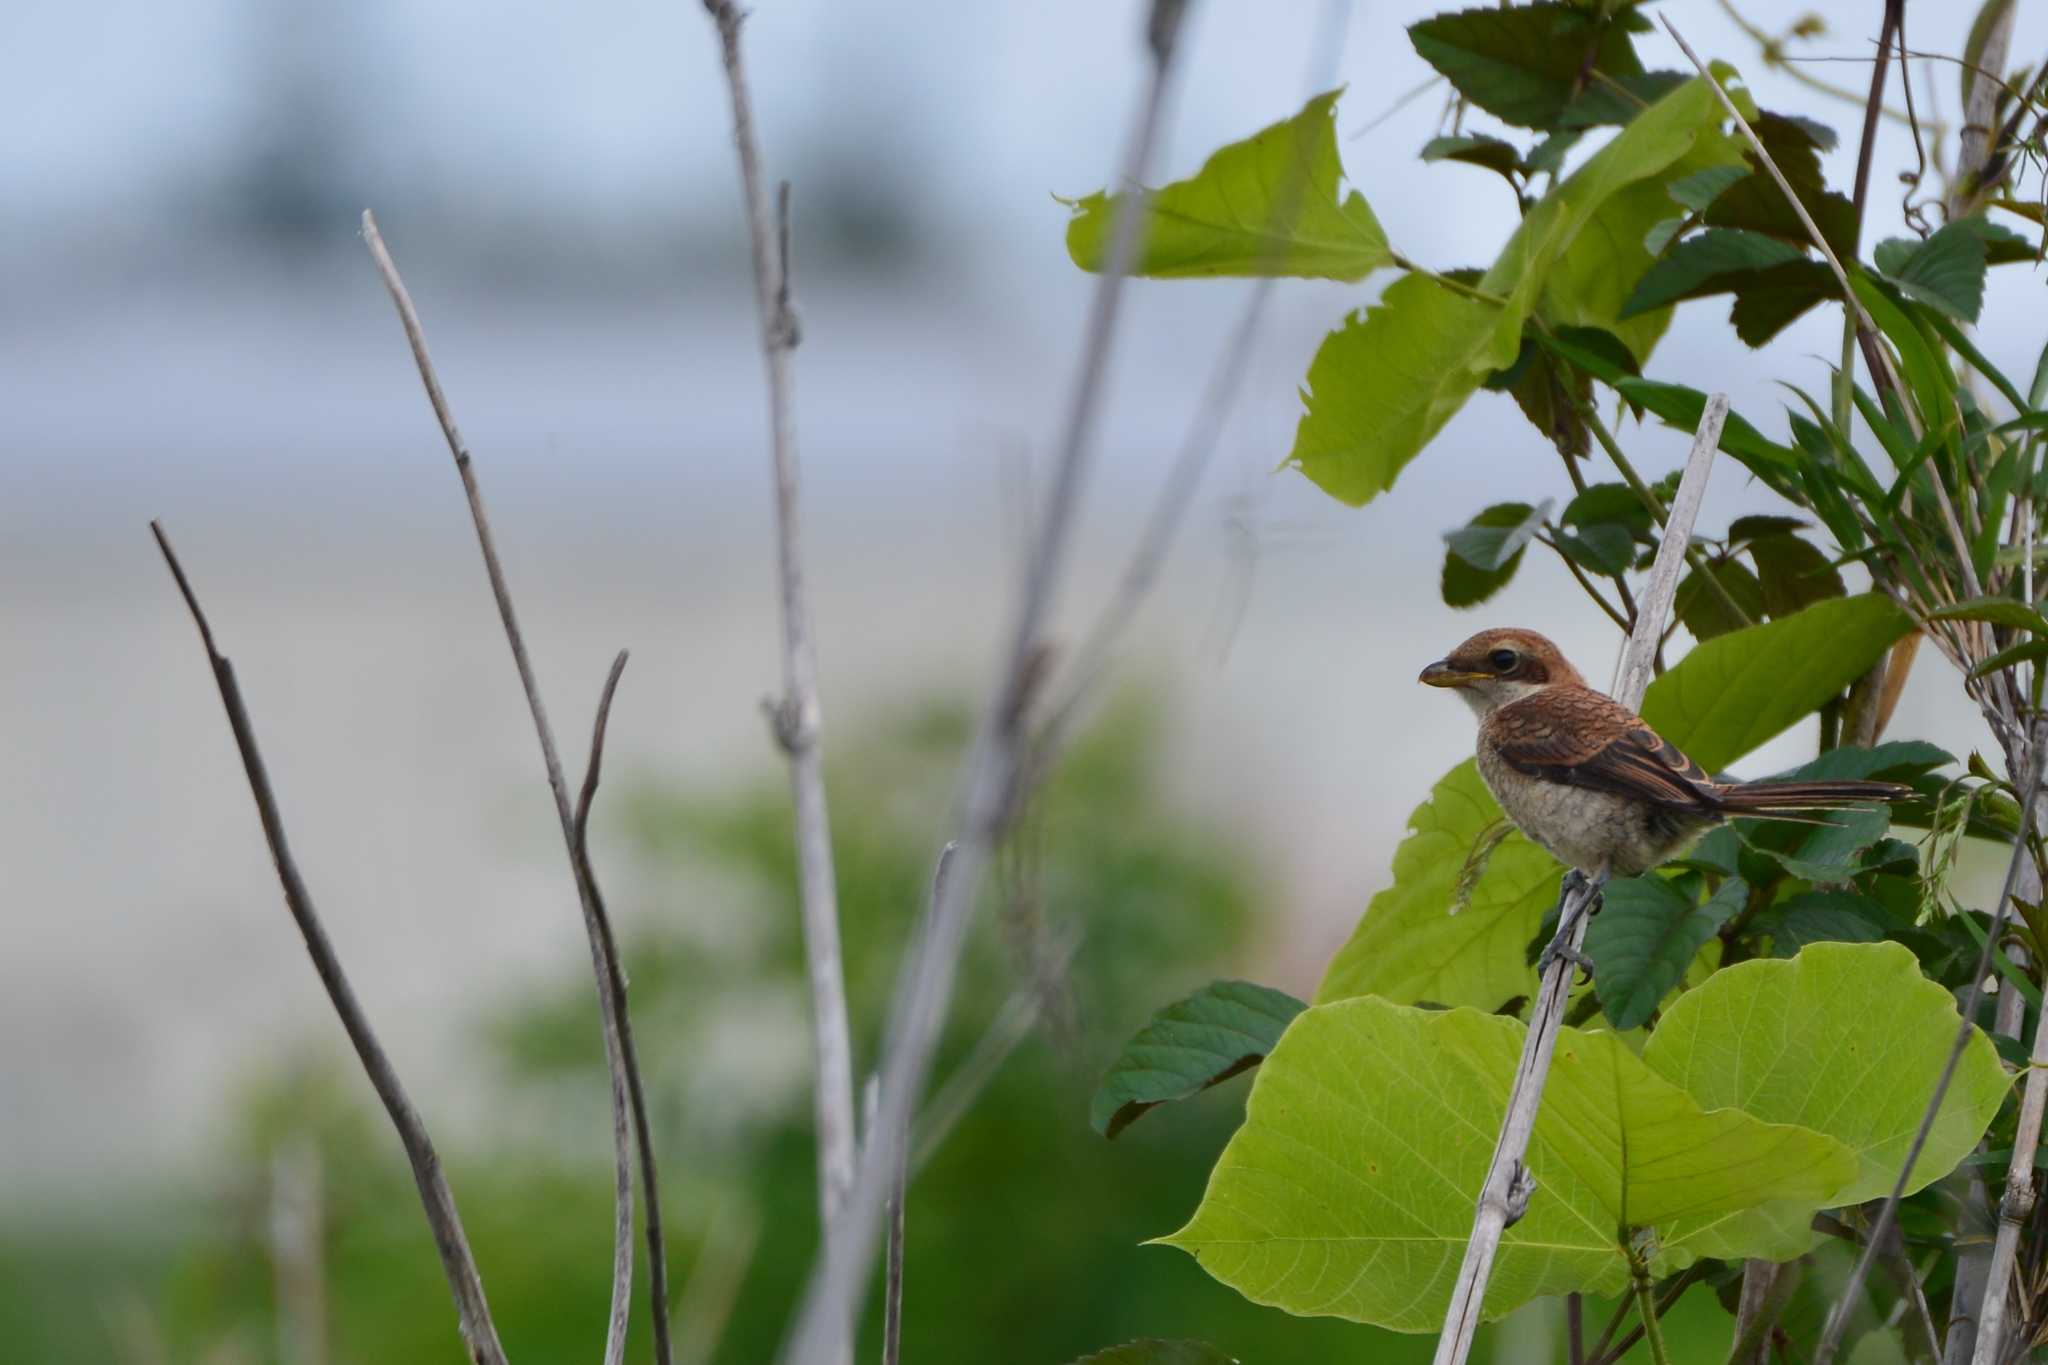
(1496, 667)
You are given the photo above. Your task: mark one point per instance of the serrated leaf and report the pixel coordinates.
(1713, 262)
(1736, 691)
(1522, 65)
(1156, 1351)
(1225, 1028)
(1755, 202)
(1792, 1042)
(1385, 383)
(1700, 609)
(1794, 573)
(1946, 271)
(1481, 556)
(1616, 100)
(1820, 917)
(1772, 300)
(1272, 204)
(1645, 936)
(1348, 1191)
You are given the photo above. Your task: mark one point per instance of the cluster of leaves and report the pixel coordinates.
(1348, 1191)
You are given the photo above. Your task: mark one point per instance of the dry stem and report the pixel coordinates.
(1505, 1195)
(610, 1000)
(473, 1314)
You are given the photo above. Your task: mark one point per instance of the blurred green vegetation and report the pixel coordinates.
(1024, 1227)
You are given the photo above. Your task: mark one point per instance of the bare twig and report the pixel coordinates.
(1880, 1228)
(1751, 1323)
(993, 766)
(636, 1090)
(603, 968)
(473, 1314)
(1975, 1232)
(1505, 1195)
(2017, 1205)
(798, 718)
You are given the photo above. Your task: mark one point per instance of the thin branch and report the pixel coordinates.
(643, 1128)
(1505, 1195)
(473, 1314)
(2018, 1204)
(1838, 1318)
(1975, 1233)
(1894, 13)
(993, 766)
(798, 716)
(603, 967)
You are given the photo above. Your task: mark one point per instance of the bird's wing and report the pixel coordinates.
(1577, 737)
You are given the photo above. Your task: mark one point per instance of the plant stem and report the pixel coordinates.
(1591, 415)
(1646, 1308)
(1455, 286)
(1626, 623)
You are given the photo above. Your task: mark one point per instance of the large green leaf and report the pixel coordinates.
(1523, 65)
(1737, 690)
(1349, 1189)
(1222, 1029)
(1645, 936)
(1845, 1038)
(1269, 205)
(1386, 382)
(1410, 947)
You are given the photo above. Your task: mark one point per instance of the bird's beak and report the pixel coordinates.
(1441, 674)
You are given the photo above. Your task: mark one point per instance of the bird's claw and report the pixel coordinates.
(1560, 949)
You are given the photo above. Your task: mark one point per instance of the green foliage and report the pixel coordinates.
(1348, 1191)
(1385, 383)
(1481, 556)
(1223, 1029)
(1732, 693)
(1269, 205)
(1647, 933)
(1714, 262)
(1792, 1042)
(1525, 65)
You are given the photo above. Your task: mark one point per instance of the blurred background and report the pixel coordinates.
(190, 1166)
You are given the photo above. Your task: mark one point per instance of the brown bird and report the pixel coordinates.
(1586, 778)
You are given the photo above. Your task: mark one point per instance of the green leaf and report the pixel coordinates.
(1829, 848)
(1700, 609)
(1492, 153)
(1946, 271)
(1769, 301)
(1710, 263)
(1701, 188)
(1645, 936)
(1522, 65)
(1604, 546)
(1409, 947)
(2026, 652)
(1481, 556)
(1222, 1029)
(1898, 760)
(1755, 202)
(1269, 205)
(1549, 393)
(1793, 1042)
(1678, 406)
(1386, 382)
(1348, 1191)
(1820, 917)
(1999, 611)
(1732, 693)
(1793, 572)
(1155, 1351)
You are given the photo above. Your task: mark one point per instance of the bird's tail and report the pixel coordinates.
(1742, 798)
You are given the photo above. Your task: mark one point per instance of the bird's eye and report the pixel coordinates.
(1503, 660)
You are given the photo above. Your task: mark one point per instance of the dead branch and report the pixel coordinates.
(473, 1314)
(1505, 1194)
(797, 717)
(611, 1004)
(992, 769)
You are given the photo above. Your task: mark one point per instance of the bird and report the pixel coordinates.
(1588, 779)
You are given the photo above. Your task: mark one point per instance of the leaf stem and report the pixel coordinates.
(1646, 1307)
(1592, 590)
(1455, 286)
